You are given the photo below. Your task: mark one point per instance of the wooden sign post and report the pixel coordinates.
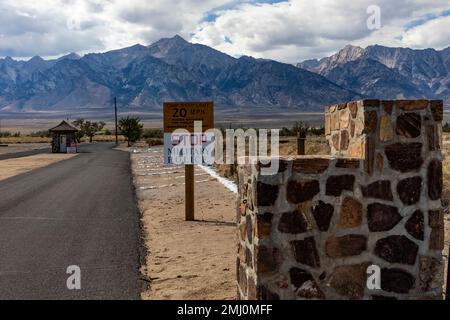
(183, 115)
(190, 190)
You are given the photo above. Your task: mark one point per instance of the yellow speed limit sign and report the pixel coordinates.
(183, 115)
(188, 147)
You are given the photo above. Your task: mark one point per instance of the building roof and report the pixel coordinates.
(64, 127)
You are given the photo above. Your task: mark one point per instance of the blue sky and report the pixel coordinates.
(288, 31)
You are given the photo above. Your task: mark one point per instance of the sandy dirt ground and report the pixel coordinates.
(14, 167)
(14, 148)
(186, 260)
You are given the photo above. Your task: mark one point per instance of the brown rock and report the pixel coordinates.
(435, 181)
(381, 217)
(350, 281)
(430, 274)
(415, 225)
(282, 165)
(266, 194)
(242, 277)
(437, 238)
(249, 225)
(379, 162)
(242, 253)
(337, 184)
(293, 223)
(263, 225)
(335, 125)
(342, 106)
(396, 280)
(411, 105)
(327, 124)
(345, 119)
(352, 129)
(370, 121)
(346, 246)
(370, 156)
(409, 125)
(348, 163)
(248, 258)
(353, 107)
(356, 149)
(433, 138)
(386, 129)
(351, 213)
(323, 213)
(265, 294)
(436, 222)
(298, 192)
(305, 252)
(359, 127)
(304, 284)
(243, 209)
(243, 231)
(332, 108)
(335, 140)
(409, 190)
(252, 291)
(437, 110)
(310, 165)
(436, 218)
(397, 249)
(267, 259)
(371, 103)
(345, 140)
(388, 106)
(378, 190)
(405, 157)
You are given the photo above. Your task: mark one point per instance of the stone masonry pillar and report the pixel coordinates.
(313, 230)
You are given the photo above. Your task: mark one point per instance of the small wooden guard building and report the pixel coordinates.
(64, 138)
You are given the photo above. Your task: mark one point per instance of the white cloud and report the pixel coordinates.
(289, 31)
(298, 29)
(433, 34)
(53, 27)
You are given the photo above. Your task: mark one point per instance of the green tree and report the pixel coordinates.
(131, 128)
(87, 128)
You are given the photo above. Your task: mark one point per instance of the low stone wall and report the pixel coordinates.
(312, 230)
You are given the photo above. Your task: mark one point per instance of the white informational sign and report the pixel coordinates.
(189, 148)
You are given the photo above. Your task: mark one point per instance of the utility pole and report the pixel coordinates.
(117, 131)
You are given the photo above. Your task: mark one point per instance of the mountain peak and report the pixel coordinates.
(70, 56)
(178, 38)
(36, 59)
(349, 53)
(163, 47)
(346, 54)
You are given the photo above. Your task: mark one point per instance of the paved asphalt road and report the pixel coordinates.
(76, 212)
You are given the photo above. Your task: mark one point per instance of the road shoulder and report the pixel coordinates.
(185, 260)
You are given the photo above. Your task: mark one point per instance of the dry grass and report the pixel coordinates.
(315, 145)
(24, 139)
